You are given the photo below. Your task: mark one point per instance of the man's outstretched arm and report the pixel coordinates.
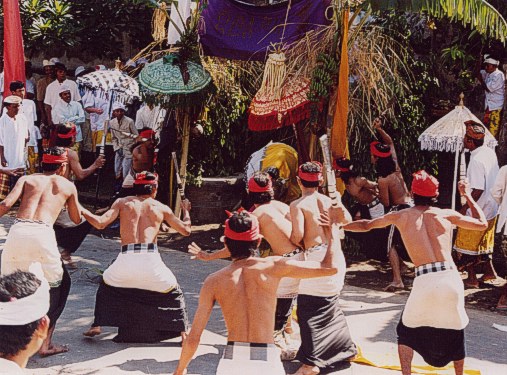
(190, 345)
(101, 222)
(13, 197)
(367, 225)
(183, 226)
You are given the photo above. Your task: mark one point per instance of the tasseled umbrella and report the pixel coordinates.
(447, 134)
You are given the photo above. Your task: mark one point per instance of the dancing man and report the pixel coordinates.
(246, 292)
(42, 198)
(139, 294)
(275, 227)
(325, 337)
(435, 330)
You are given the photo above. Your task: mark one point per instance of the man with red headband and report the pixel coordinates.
(246, 291)
(325, 337)
(434, 317)
(32, 237)
(275, 228)
(143, 156)
(394, 195)
(139, 294)
(69, 235)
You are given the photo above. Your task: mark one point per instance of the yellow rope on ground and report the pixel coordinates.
(390, 361)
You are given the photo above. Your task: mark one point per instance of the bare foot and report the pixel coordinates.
(487, 277)
(67, 258)
(502, 303)
(92, 332)
(52, 350)
(307, 370)
(471, 284)
(393, 287)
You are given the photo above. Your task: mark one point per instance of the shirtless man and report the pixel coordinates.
(70, 236)
(42, 198)
(139, 294)
(275, 227)
(319, 313)
(246, 291)
(394, 195)
(434, 317)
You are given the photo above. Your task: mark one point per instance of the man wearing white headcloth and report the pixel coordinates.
(492, 81)
(32, 238)
(24, 324)
(124, 133)
(66, 111)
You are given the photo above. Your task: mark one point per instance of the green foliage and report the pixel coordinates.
(79, 28)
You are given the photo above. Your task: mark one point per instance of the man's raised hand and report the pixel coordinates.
(197, 252)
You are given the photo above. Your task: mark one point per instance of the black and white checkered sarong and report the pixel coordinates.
(139, 248)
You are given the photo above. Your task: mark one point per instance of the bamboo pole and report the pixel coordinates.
(185, 140)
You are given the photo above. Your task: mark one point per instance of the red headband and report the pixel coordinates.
(375, 152)
(70, 134)
(147, 133)
(424, 184)
(141, 179)
(250, 235)
(336, 167)
(254, 187)
(55, 159)
(310, 176)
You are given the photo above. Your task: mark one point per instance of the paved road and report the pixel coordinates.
(372, 317)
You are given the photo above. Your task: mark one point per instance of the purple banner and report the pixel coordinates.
(242, 32)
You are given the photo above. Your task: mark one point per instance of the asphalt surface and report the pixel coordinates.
(372, 317)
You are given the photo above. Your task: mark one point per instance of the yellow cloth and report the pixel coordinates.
(476, 242)
(339, 145)
(33, 160)
(285, 158)
(97, 138)
(391, 361)
(494, 121)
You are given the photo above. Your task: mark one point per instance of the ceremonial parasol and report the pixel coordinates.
(174, 82)
(447, 134)
(169, 76)
(113, 84)
(281, 101)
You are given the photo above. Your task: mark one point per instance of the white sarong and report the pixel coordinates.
(140, 266)
(437, 298)
(250, 359)
(288, 286)
(32, 241)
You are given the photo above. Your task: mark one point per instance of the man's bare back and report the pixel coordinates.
(275, 226)
(363, 191)
(140, 219)
(393, 190)
(305, 213)
(44, 196)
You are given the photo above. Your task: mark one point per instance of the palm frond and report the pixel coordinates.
(478, 14)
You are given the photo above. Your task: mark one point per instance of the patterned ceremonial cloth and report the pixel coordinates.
(5, 181)
(434, 267)
(492, 120)
(476, 242)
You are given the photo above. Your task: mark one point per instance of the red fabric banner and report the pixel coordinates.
(14, 56)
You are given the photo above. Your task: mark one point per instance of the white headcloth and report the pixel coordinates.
(27, 309)
(491, 61)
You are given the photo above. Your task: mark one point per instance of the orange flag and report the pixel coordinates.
(339, 145)
(14, 56)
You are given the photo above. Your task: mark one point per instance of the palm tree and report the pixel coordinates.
(478, 14)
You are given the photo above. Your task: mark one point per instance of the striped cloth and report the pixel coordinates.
(139, 248)
(5, 181)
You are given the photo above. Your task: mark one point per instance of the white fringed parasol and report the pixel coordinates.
(447, 135)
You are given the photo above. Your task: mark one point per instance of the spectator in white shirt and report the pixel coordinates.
(492, 81)
(69, 111)
(30, 81)
(27, 107)
(150, 116)
(13, 139)
(53, 91)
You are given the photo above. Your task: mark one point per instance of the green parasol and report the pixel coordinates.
(173, 82)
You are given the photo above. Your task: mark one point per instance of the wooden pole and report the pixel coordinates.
(185, 140)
